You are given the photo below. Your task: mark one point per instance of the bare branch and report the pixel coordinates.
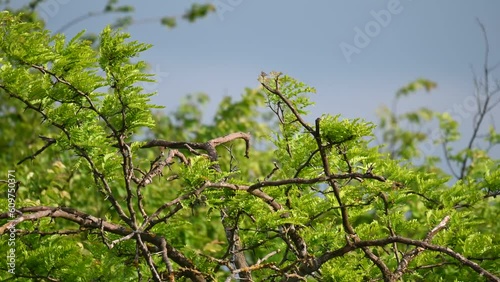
(199, 145)
(483, 107)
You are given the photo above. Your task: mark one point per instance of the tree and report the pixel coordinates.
(105, 189)
(37, 10)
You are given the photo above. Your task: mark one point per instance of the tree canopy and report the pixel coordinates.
(102, 186)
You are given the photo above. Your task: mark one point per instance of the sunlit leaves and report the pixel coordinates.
(336, 131)
(115, 51)
(201, 170)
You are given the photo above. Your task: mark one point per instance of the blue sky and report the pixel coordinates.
(225, 52)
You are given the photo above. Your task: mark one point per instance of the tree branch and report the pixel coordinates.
(89, 221)
(48, 143)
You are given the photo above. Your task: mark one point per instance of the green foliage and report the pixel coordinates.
(28, 12)
(305, 201)
(339, 132)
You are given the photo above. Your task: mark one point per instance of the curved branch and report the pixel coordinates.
(425, 245)
(201, 145)
(420, 245)
(92, 222)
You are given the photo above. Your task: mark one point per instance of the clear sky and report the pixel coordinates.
(225, 52)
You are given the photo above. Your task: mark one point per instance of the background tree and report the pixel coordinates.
(316, 201)
(33, 10)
